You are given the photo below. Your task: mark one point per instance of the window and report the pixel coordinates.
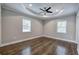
(26, 25)
(61, 26)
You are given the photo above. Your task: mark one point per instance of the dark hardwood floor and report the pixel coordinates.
(40, 46)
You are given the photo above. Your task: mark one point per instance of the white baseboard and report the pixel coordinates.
(78, 49)
(20, 41)
(60, 39)
(37, 37)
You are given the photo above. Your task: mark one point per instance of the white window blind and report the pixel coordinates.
(26, 25)
(61, 26)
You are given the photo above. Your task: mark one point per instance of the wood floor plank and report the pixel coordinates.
(40, 46)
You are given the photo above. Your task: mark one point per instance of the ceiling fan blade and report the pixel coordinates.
(50, 12)
(42, 9)
(48, 8)
(45, 8)
(41, 12)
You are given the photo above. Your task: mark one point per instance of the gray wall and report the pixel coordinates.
(77, 27)
(0, 23)
(77, 30)
(50, 28)
(12, 27)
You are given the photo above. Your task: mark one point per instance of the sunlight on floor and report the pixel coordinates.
(26, 51)
(61, 50)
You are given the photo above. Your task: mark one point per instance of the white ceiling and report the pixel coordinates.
(34, 10)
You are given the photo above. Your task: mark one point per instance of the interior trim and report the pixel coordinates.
(78, 48)
(60, 39)
(37, 37)
(20, 41)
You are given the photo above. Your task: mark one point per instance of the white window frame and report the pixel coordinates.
(26, 25)
(62, 27)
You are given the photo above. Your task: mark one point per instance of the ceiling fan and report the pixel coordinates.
(46, 10)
